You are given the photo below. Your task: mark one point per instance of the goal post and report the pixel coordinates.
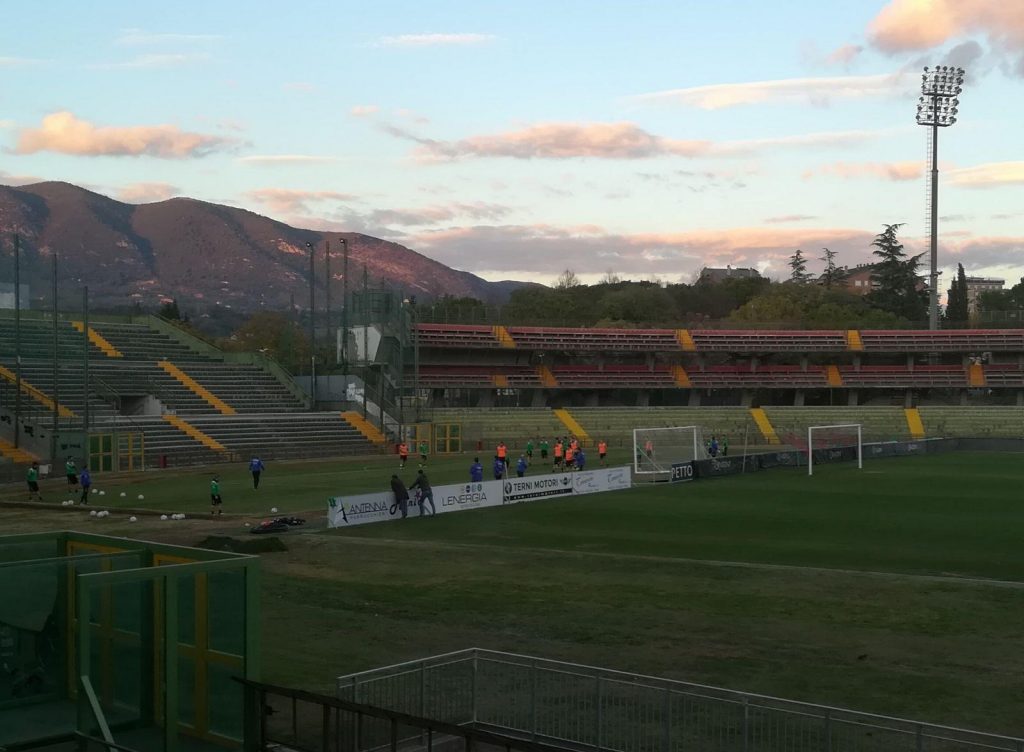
(838, 437)
(655, 450)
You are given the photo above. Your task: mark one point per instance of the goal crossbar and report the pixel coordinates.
(810, 444)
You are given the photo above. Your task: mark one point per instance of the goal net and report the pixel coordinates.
(655, 450)
(834, 444)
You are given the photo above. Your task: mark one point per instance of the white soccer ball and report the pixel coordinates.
(92, 513)
(274, 510)
(95, 490)
(133, 518)
(181, 516)
(103, 493)
(163, 516)
(141, 497)
(247, 524)
(123, 494)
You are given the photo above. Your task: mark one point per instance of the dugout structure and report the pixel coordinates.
(124, 641)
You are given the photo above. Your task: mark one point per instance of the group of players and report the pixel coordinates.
(567, 456)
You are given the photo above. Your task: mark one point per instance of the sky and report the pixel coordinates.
(515, 140)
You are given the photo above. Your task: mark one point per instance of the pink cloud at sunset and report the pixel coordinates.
(912, 25)
(65, 133)
(988, 175)
(897, 171)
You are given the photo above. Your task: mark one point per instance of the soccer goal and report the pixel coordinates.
(837, 442)
(655, 450)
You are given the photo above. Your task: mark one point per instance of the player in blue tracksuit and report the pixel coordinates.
(256, 467)
(85, 481)
(581, 459)
(521, 466)
(499, 468)
(476, 471)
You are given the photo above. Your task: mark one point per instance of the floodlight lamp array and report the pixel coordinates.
(940, 87)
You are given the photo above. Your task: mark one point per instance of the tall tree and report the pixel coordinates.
(956, 304)
(567, 280)
(798, 266)
(898, 290)
(831, 271)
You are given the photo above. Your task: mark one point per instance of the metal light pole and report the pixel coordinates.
(17, 340)
(312, 326)
(327, 289)
(937, 108)
(85, 366)
(344, 313)
(56, 370)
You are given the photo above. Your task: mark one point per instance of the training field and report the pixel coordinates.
(898, 589)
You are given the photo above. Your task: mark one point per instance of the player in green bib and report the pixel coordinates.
(543, 449)
(215, 500)
(529, 450)
(424, 449)
(71, 472)
(32, 478)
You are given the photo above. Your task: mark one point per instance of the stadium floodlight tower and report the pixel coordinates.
(937, 108)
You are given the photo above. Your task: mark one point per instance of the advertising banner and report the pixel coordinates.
(682, 472)
(345, 511)
(457, 497)
(540, 487)
(603, 479)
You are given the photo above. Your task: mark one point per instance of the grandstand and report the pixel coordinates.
(464, 364)
(189, 402)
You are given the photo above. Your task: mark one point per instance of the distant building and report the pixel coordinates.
(859, 280)
(7, 296)
(977, 285)
(712, 276)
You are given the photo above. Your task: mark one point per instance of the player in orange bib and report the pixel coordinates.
(569, 454)
(559, 453)
(602, 450)
(502, 454)
(403, 453)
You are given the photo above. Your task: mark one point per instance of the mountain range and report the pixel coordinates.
(202, 254)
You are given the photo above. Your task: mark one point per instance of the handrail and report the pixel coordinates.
(469, 733)
(97, 711)
(112, 746)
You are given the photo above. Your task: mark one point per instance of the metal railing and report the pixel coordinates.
(278, 718)
(589, 708)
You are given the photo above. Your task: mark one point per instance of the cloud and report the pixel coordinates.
(608, 141)
(817, 91)
(540, 251)
(18, 62)
(786, 219)
(434, 40)
(5, 124)
(917, 25)
(289, 202)
(140, 38)
(415, 117)
(301, 86)
(285, 159)
(147, 193)
(897, 171)
(65, 133)
(429, 215)
(989, 175)
(7, 178)
(156, 60)
(844, 55)
(364, 110)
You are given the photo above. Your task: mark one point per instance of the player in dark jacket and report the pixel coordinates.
(426, 493)
(401, 495)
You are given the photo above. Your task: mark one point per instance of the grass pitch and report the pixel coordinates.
(898, 589)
